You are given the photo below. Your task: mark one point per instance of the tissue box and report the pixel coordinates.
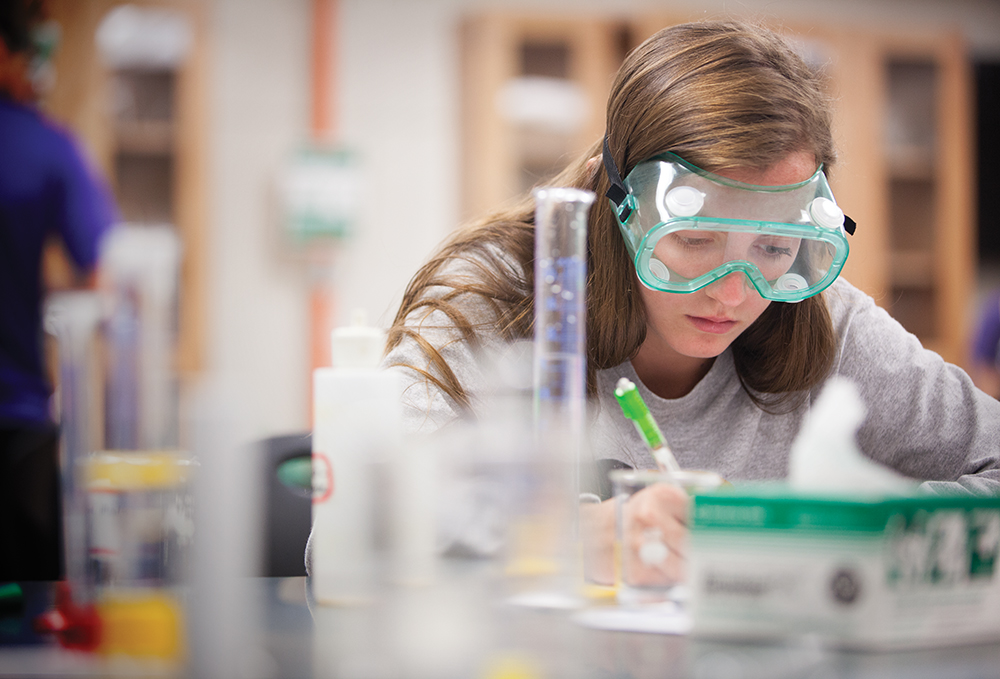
(859, 572)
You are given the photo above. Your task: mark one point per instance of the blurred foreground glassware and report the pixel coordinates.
(542, 544)
(561, 312)
(73, 318)
(139, 269)
(141, 529)
(140, 518)
(642, 572)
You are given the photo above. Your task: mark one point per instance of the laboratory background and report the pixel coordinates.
(288, 165)
(216, 116)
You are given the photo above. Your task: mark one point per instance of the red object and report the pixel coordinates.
(322, 478)
(75, 627)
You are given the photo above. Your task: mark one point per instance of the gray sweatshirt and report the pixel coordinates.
(925, 418)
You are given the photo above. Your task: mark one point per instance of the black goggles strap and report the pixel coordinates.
(616, 192)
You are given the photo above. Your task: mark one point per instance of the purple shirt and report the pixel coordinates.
(46, 188)
(987, 338)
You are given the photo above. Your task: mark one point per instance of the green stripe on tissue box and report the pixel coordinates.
(778, 509)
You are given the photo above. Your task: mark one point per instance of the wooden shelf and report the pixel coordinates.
(903, 130)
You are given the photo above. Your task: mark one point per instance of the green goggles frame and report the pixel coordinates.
(642, 209)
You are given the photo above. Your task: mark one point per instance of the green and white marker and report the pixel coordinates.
(635, 409)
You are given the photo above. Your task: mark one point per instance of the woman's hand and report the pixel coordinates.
(653, 518)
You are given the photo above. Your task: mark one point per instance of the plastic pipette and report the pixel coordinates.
(635, 409)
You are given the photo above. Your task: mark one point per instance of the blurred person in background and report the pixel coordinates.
(47, 189)
(985, 370)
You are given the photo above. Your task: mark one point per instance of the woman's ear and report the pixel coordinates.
(593, 163)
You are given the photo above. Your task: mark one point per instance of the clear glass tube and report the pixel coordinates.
(546, 530)
(560, 307)
(73, 318)
(139, 267)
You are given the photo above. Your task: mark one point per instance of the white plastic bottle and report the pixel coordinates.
(356, 425)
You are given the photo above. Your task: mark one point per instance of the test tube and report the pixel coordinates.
(139, 268)
(73, 318)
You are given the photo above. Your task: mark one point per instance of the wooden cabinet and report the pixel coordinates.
(512, 64)
(902, 123)
(905, 173)
(145, 128)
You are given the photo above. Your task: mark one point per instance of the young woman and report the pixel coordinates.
(728, 336)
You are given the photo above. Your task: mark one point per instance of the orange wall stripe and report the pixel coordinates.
(323, 127)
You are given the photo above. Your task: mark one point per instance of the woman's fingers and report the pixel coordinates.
(654, 540)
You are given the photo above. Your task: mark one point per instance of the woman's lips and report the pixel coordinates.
(716, 326)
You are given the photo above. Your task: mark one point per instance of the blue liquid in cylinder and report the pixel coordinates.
(560, 307)
(561, 345)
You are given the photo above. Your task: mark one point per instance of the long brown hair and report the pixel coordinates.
(721, 95)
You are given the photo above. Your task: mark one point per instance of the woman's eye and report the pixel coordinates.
(775, 251)
(695, 242)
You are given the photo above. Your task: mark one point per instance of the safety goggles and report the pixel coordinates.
(685, 228)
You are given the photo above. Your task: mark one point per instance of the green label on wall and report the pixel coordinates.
(320, 190)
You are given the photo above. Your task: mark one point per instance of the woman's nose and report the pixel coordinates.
(730, 290)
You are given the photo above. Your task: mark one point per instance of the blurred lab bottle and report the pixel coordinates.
(356, 426)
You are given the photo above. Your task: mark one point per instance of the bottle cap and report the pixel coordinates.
(358, 345)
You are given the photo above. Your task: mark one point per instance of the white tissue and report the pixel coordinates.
(825, 455)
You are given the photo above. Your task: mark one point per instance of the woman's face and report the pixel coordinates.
(703, 324)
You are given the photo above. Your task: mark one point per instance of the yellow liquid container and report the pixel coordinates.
(142, 624)
(140, 528)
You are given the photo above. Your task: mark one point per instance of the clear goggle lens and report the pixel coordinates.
(687, 228)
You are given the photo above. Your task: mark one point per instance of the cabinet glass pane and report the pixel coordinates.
(143, 95)
(145, 187)
(910, 119)
(547, 59)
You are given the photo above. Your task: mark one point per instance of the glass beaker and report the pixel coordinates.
(140, 527)
(642, 572)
